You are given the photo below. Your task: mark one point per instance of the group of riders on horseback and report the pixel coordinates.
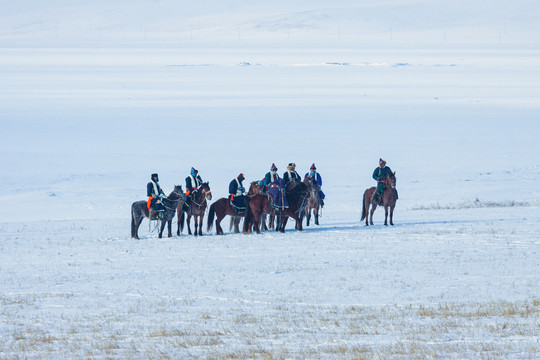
(271, 186)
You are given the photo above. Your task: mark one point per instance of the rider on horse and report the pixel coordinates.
(291, 174)
(193, 181)
(380, 174)
(270, 177)
(155, 194)
(236, 191)
(316, 180)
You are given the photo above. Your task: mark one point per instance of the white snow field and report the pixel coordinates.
(96, 96)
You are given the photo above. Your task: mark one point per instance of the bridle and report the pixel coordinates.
(205, 194)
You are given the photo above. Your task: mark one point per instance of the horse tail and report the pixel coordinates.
(211, 215)
(364, 213)
(247, 219)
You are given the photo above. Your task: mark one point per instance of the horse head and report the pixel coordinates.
(177, 193)
(391, 178)
(254, 188)
(292, 185)
(205, 191)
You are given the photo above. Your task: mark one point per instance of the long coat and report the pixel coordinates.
(268, 178)
(150, 191)
(233, 187)
(190, 186)
(380, 173)
(289, 175)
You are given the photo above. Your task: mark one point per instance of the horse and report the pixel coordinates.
(222, 208)
(388, 200)
(297, 194)
(197, 207)
(259, 206)
(314, 201)
(139, 210)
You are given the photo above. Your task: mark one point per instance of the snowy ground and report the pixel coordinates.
(86, 122)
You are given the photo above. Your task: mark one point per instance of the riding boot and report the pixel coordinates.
(322, 203)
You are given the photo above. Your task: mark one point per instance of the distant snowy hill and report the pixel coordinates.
(279, 23)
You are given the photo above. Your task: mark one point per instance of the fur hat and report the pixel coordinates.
(313, 167)
(382, 162)
(291, 166)
(194, 171)
(273, 167)
(153, 176)
(240, 177)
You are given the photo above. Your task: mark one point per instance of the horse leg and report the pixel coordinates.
(316, 213)
(385, 215)
(188, 220)
(196, 225)
(178, 214)
(169, 228)
(283, 223)
(373, 207)
(136, 222)
(236, 224)
(200, 224)
(161, 228)
(391, 215)
(308, 215)
(219, 230)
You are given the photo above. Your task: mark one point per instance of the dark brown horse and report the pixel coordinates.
(139, 210)
(388, 200)
(222, 208)
(314, 201)
(297, 194)
(197, 207)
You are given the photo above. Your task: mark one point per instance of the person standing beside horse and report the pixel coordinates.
(380, 174)
(291, 174)
(154, 193)
(193, 181)
(316, 180)
(236, 194)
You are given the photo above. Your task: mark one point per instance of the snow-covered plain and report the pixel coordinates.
(91, 105)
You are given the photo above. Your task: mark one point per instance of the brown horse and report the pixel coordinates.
(139, 210)
(197, 207)
(388, 200)
(222, 208)
(259, 206)
(314, 201)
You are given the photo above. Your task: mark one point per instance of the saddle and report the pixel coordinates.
(156, 214)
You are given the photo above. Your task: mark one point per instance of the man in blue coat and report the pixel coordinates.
(316, 180)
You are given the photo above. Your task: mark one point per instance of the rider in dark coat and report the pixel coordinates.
(154, 193)
(291, 174)
(380, 174)
(236, 192)
(193, 181)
